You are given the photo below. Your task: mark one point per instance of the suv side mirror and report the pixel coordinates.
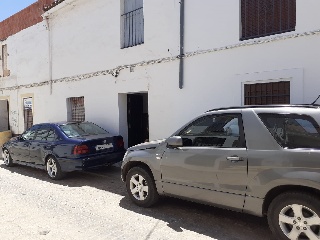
(174, 142)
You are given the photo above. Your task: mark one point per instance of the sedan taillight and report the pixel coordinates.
(80, 149)
(120, 143)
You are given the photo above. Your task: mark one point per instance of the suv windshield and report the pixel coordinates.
(81, 129)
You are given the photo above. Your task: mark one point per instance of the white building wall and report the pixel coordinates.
(28, 64)
(85, 38)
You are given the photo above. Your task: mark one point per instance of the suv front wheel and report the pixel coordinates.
(141, 187)
(295, 215)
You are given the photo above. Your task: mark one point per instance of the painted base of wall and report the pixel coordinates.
(5, 136)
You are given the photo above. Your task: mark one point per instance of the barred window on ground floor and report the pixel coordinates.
(267, 93)
(261, 18)
(76, 109)
(27, 112)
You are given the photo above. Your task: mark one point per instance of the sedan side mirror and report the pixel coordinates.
(174, 142)
(20, 138)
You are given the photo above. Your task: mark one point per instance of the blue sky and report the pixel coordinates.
(10, 7)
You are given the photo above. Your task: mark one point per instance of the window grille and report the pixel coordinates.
(261, 18)
(27, 112)
(133, 23)
(76, 109)
(267, 93)
(28, 118)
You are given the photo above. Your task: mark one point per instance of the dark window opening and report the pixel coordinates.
(261, 18)
(267, 93)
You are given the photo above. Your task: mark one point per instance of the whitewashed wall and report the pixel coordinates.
(85, 38)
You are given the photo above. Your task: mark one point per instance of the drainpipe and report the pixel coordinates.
(50, 52)
(181, 64)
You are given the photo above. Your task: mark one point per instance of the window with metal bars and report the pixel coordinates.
(133, 23)
(76, 110)
(28, 118)
(267, 93)
(27, 112)
(261, 18)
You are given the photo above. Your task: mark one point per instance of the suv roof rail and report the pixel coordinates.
(267, 106)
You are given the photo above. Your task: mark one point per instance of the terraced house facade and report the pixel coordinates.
(142, 68)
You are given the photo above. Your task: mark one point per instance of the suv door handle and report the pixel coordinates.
(234, 159)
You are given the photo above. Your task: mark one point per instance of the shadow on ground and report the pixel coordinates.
(105, 178)
(179, 215)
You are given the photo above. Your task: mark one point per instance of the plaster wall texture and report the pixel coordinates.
(85, 38)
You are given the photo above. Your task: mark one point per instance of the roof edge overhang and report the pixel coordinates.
(55, 6)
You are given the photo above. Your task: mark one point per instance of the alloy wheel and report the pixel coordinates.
(139, 187)
(6, 157)
(299, 222)
(52, 167)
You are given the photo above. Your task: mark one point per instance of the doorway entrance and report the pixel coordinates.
(138, 118)
(4, 116)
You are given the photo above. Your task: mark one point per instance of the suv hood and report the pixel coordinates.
(147, 145)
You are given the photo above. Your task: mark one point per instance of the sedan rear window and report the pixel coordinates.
(292, 130)
(81, 129)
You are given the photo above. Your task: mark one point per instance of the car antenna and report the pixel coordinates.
(313, 103)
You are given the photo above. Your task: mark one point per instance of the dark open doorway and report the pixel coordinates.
(138, 118)
(4, 115)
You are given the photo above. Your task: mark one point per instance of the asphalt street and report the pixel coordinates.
(95, 205)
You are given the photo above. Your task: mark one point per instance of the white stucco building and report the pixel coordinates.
(120, 61)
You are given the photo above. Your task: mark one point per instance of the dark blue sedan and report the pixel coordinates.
(64, 147)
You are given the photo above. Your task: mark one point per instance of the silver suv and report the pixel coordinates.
(262, 160)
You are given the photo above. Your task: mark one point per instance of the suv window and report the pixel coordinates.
(292, 130)
(222, 131)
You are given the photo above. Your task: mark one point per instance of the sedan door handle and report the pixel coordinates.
(234, 159)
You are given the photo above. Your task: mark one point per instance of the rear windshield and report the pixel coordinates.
(81, 129)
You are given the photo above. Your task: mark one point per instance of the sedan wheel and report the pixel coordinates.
(295, 216)
(54, 169)
(141, 187)
(7, 158)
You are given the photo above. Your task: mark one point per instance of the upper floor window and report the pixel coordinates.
(132, 23)
(261, 18)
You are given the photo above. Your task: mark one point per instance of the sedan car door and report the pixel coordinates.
(20, 148)
(211, 165)
(42, 142)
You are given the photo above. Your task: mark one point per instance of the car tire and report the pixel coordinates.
(53, 169)
(295, 215)
(7, 158)
(141, 187)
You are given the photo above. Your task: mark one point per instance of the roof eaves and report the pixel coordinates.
(52, 5)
